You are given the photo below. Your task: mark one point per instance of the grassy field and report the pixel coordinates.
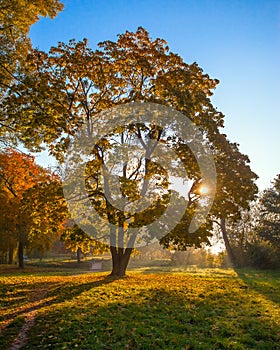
(152, 308)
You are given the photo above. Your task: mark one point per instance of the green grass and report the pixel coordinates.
(152, 308)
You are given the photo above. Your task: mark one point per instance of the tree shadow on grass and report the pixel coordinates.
(265, 282)
(155, 319)
(51, 295)
(38, 296)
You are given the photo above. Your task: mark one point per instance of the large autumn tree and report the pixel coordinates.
(71, 85)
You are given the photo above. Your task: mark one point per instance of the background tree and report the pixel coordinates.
(8, 241)
(81, 243)
(269, 223)
(30, 193)
(45, 210)
(72, 84)
(236, 187)
(253, 236)
(241, 234)
(265, 251)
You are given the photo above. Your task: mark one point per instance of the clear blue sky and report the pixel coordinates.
(237, 42)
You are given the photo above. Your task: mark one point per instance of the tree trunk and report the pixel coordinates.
(226, 240)
(79, 253)
(20, 255)
(120, 259)
(4, 258)
(11, 255)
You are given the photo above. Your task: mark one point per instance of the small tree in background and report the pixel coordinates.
(254, 238)
(266, 253)
(269, 221)
(79, 242)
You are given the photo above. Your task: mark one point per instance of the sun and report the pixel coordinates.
(204, 190)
